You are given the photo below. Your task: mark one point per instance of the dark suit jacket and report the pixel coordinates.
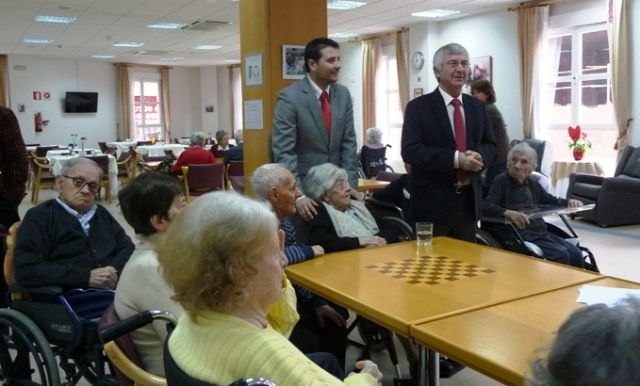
(299, 138)
(234, 154)
(429, 146)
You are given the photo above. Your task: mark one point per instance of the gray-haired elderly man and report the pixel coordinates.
(71, 241)
(322, 327)
(515, 191)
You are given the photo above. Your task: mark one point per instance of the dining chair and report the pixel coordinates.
(201, 179)
(234, 176)
(42, 177)
(103, 162)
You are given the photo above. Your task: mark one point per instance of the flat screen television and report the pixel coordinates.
(81, 102)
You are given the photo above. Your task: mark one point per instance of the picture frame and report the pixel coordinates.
(480, 68)
(253, 70)
(292, 62)
(418, 92)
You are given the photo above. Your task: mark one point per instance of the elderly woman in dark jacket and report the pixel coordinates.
(341, 223)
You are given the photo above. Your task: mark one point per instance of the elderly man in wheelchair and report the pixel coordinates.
(514, 192)
(67, 255)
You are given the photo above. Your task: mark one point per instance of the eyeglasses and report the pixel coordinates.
(80, 183)
(455, 63)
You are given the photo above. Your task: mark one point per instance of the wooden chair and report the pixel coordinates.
(121, 350)
(103, 162)
(151, 163)
(201, 179)
(41, 151)
(234, 176)
(42, 176)
(126, 166)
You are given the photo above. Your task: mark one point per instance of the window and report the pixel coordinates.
(576, 90)
(147, 110)
(388, 110)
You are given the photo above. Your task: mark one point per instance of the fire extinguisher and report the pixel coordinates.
(39, 123)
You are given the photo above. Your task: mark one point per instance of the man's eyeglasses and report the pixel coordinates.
(455, 63)
(80, 182)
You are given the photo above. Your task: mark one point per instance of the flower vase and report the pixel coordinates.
(578, 154)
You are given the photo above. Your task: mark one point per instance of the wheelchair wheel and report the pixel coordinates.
(26, 357)
(485, 238)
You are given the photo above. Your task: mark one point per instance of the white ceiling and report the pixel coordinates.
(100, 23)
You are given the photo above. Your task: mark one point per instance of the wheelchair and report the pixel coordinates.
(372, 161)
(45, 329)
(498, 233)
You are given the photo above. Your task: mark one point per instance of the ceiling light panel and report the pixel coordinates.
(166, 25)
(128, 44)
(30, 40)
(343, 5)
(206, 47)
(435, 13)
(54, 19)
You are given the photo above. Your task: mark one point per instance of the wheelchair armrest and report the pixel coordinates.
(134, 322)
(47, 290)
(494, 220)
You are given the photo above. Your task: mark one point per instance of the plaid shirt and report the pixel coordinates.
(13, 159)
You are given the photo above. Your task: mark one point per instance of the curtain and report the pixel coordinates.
(124, 101)
(529, 29)
(235, 74)
(403, 68)
(4, 90)
(620, 70)
(166, 103)
(370, 54)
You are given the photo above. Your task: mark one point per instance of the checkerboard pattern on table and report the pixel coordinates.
(430, 270)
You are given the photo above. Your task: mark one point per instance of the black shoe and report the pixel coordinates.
(448, 367)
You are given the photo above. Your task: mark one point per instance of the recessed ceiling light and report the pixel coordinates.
(343, 5)
(103, 56)
(206, 47)
(435, 13)
(55, 19)
(37, 40)
(342, 35)
(166, 25)
(128, 44)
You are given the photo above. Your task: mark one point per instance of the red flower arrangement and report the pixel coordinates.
(579, 142)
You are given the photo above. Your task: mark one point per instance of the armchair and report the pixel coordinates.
(615, 197)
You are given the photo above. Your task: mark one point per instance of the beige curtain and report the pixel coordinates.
(370, 54)
(4, 90)
(529, 30)
(166, 104)
(403, 68)
(620, 70)
(124, 101)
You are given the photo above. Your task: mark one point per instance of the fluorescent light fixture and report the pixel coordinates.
(102, 56)
(169, 59)
(37, 40)
(231, 60)
(343, 5)
(166, 25)
(55, 19)
(435, 13)
(343, 35)
(206, 47)
(128, 44)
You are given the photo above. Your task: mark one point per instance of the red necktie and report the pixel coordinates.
(326, 111)
(461, 135)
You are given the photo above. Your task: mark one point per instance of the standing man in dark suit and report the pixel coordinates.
(447, 139)
(313, 121)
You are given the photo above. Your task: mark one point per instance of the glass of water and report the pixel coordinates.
(424, 233)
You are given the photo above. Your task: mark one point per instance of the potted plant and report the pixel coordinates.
(579, 142)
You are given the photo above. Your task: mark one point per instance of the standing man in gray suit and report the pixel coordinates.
(313, 121)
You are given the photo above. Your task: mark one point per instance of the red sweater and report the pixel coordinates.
(193, 156)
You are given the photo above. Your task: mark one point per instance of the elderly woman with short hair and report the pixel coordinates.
(222, 255)
(341, 223)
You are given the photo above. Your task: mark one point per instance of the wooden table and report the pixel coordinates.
(349, 279)
(562, 169)
(501, 340)
(365, 184)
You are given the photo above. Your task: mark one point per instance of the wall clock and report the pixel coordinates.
(417, 60)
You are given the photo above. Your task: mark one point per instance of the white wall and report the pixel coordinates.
(351, 77)
(186, 100)
(57, 76)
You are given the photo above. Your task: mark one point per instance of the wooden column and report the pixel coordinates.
(265, 26)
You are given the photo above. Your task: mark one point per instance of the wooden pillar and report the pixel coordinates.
(265, 26)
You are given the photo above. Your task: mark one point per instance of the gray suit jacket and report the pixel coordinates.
(299, 139)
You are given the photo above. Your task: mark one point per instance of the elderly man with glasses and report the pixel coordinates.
(71, 241)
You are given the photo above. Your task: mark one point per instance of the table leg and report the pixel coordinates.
(422, 376)
(433, 363)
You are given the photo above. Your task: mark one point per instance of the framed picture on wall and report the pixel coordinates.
(480, 68)
(292, 62)
(417, 92)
